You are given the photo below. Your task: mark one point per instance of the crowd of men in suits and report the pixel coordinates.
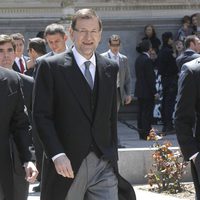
(32, 84)
(61, 97)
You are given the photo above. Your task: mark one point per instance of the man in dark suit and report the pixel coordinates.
(75, 112)
(192, 45)
(168, 70)
(145, 89)
(20, 64)
(6, 60)
(187, 117)
(15, 124)
(56, 38)
(36, 48)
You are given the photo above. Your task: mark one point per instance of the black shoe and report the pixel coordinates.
(120, 146)
(143, 137)
(36, 188)
(170, 131)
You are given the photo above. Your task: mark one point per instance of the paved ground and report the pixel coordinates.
(130, 139)
(140, 194)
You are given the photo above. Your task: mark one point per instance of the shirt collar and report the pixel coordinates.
(17, 58)
(80, 59)
(146, 54)
(112, 54)
(190, 50)
(66, 49)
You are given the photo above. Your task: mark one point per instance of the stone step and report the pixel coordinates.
(135, 163)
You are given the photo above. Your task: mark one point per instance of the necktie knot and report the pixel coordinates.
(87, 64)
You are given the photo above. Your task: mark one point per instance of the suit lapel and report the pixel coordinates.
(15, 67)
(104, 85)
(3, 82)
(77, 83)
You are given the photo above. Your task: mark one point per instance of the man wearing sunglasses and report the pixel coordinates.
(123, 77)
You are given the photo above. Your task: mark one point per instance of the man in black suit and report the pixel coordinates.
(75, 112)
(187, 117)
(20, 64)
(192, 45)
(6, 60)
(145, 89)
(168, 70)
(15, 124)
(36, 48)
(56, 38)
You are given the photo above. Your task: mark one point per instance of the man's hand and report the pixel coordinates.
(128, 99)
(63, 166)
(31, 172)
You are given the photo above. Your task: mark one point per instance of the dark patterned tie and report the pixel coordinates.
(21, 66)
(88, 75)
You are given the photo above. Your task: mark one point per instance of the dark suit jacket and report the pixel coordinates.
(27, 89)
(15, 66)
(166, 62)
(64, 120)
(14, 120)
(186, 56)
(145, 77)
(26, 83)
(187, 112)
(32, 72)
(187, 116)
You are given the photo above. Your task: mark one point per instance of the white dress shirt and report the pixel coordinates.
(81, 60)
(18, 63)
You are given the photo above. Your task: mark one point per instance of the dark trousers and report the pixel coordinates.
(169, 100)
(145, 116)
(195, 169)
(38, 155)
(21, 186)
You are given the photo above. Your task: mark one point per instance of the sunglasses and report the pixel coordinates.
(114, 45)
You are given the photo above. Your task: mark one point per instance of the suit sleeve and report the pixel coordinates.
(43, 109)
(20, 126)
(127, 85)
(150, 76)
(185, 113)
(113, 117)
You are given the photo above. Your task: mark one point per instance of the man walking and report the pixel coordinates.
(192, 45)
(123, 76)
(187, 117)
(75, 113)
(168, 70)
(7, 58)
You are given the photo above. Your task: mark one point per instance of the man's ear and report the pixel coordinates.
(65, 37)
(15, 55)
(71, 34)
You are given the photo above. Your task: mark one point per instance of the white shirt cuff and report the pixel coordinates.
(56, 156)
(194, 156)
